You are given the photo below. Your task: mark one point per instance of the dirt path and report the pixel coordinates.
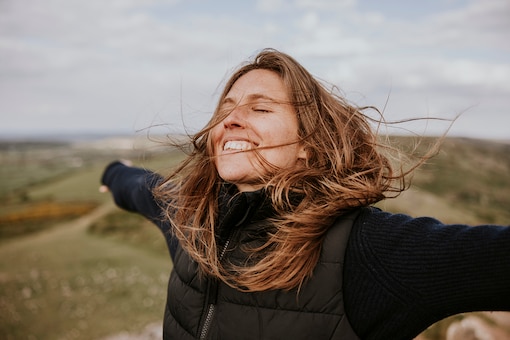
(59, 231)
(82, 222)
(48, 278)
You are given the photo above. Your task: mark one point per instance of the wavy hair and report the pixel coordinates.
(346, 167)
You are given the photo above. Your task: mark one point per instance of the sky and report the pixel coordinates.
(157, 66)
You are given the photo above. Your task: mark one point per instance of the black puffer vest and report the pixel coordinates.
(208, 309)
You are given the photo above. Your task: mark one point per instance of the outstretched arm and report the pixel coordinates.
(402, 274)
(131, 189)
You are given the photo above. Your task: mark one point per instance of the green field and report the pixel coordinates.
(69, 274)
(468, 181)
(76, 276)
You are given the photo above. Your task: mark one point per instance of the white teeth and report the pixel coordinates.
(237, 145)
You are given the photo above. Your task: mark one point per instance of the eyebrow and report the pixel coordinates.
(252, 97)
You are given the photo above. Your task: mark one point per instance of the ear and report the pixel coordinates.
(302, 154)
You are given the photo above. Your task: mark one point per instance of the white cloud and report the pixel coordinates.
(270, 6)
(484, 23)
(125, 64)
(326, 4)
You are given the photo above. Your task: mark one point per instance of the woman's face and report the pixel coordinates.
(260, 116)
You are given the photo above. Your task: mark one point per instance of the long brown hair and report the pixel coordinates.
(346, 167)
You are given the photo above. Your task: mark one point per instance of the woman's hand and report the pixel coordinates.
(103, 189)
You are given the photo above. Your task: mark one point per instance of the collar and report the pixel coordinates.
(236, 208)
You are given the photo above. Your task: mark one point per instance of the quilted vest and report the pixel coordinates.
(201, 308)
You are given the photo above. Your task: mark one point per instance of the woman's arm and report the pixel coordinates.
(131, 189)
(403, 274)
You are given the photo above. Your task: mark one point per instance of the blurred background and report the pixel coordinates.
(85, 82)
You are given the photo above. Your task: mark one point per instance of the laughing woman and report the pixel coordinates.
(272, 233)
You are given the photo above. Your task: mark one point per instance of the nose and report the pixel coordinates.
(235, 119)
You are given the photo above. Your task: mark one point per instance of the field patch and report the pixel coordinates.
(37, 216)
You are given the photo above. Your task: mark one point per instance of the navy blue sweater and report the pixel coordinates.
(401, 274)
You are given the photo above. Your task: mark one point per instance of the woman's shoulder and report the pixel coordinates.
(382, 233)
(373, 219)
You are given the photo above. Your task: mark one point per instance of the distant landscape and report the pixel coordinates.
(76, 267)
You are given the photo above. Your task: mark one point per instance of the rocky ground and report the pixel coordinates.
(150, 332)
(470, 328)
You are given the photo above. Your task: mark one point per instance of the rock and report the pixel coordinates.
(152, 331)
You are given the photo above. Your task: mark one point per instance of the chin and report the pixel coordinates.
(232, 178)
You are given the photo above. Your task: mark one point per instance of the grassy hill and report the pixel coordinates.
(80, 268)
(59, 277)
(468, 181)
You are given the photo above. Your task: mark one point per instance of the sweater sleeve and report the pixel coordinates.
(402, 274)
(131, 189)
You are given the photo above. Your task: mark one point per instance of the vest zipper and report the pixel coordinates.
(207, 322)
(211, 298)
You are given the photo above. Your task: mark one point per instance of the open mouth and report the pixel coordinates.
(237, 145)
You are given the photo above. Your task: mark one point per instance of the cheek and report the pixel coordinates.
(282, 157)
(283, 133)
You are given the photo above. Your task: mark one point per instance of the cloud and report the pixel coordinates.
(480, 24)
(326, 5)
(127, 64)
(440, 64)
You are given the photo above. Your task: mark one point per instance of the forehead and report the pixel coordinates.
(259, 84)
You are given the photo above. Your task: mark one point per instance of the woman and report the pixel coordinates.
(272, 236)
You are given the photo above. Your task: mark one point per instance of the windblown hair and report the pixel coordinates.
(346, 168)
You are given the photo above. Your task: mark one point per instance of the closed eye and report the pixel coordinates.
(260, 110)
